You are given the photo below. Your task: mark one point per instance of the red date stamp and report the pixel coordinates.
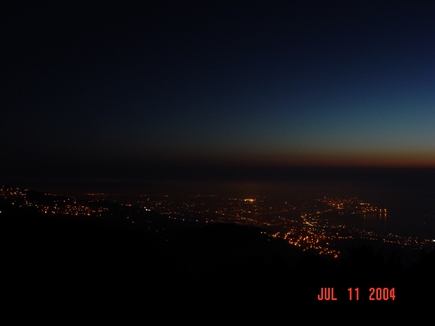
(375, 294)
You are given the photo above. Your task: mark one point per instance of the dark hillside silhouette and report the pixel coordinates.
(73, 266)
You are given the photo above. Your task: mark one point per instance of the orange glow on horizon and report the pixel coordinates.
(347, 159)
(305, 158)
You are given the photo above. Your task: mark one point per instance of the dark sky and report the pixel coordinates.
(138, 89)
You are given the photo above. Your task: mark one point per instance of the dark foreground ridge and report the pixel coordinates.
(230, 274)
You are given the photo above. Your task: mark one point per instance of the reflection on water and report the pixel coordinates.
(375, 221)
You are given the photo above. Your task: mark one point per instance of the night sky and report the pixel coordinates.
(174, 88)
